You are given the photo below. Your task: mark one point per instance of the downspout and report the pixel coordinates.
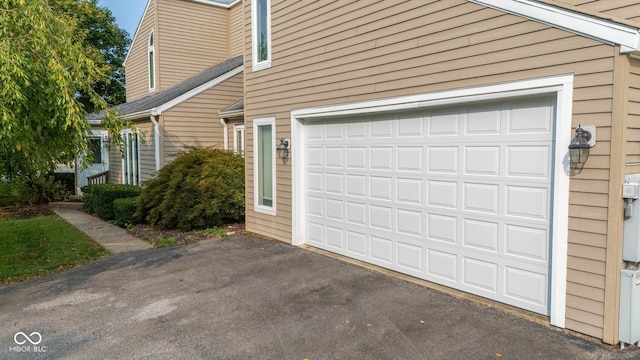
(225, 135)
(156, 140)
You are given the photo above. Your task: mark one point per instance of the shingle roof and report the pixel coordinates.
(148, 103)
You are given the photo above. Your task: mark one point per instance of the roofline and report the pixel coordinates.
(231, 114)
(609, 32)
(144, 13)
(227, 6)
(158, 110)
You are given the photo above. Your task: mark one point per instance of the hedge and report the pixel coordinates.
(124, 210)
(99, 198)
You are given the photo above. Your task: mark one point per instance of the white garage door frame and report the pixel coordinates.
(561, 86)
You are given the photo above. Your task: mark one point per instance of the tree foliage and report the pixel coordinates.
(45, 67)
(104, 42)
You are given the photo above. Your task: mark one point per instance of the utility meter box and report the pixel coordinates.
(631, 234)
(629, 328)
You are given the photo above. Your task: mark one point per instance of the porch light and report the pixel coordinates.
(579, 149)
(283, 149)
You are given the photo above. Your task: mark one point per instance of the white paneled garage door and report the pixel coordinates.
(459, 196)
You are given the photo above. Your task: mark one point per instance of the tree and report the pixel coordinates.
(97, 30)
(44, 66)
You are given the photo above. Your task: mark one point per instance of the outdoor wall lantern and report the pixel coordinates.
(283, 149)
(580, 146)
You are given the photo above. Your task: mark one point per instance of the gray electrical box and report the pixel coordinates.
(630, 306)
(631, 235)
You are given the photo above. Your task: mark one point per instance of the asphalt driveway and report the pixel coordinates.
(243, 297)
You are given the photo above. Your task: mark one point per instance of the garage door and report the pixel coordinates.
(458, 196)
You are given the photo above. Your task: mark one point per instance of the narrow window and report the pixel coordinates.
(261, 33)
(95, 148)
(264, 160)
(152, 63)
(238, 140)
(131, 158)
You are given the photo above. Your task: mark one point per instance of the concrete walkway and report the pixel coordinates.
(115, 239)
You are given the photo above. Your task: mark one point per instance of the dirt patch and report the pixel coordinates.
(17, 212)
(150, 233)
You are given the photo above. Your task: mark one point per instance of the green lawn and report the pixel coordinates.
(38, 246)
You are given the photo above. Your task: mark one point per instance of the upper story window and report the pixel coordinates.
(152, 63)
(261, 33)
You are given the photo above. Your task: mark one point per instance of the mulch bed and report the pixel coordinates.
(18, 212)
(148, 232)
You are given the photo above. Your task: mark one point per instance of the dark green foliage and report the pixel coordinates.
(98, 199)
(66, 180)
(124, 210)
(199, 189)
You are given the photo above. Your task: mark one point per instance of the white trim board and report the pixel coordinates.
(133, 39)
(561, 85)
(600, 29)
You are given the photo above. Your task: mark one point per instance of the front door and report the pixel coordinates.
(100, 163)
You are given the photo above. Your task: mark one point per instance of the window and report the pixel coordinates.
(152, 63)
(131, 158)
(95, 149)
(264, 159)
(238, 139)
(261, 33)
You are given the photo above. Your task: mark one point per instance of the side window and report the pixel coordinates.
(152, 63)
(130, 158)
(261, 34)
(264, 170)
(238, 140)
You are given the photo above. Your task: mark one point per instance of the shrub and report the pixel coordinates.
(124, 210)
(99, 198)
(199, 189)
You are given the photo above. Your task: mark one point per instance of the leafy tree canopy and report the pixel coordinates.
(46, 67)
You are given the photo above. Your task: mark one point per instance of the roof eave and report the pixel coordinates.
(610, 32)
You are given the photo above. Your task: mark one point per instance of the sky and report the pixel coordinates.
(126, 12)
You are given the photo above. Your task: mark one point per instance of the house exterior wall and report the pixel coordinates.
(189, 38)
(363, 50)
(236, 30)
(633, 119)
(136, 68)
(622, 9)
(195, 122)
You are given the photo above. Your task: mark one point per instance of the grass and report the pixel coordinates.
(42, 245)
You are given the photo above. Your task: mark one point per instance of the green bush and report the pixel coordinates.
(14, 192)
(124, 211)
(43, 189)
(99, 198)
(199, 189)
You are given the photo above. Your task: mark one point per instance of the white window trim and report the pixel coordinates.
(256, 66)
(126, 157)
(269, 210)
(238, 147)
(150, 49)
(561, 86)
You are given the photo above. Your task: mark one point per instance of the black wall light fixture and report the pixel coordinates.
(580, 147)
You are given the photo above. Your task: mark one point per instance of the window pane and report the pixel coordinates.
(265, 165)
(261, 20)
(95, 149)
(152, 83)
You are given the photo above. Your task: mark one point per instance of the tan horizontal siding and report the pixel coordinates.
(136, 67)
(618, 9)
(363, 50)
(195, 122)
(236, 30)
(633, 118)
(191, 38)
(147, 151)
(115, 165)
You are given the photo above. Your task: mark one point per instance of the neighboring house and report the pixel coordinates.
(431, 138)
(184, 79)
